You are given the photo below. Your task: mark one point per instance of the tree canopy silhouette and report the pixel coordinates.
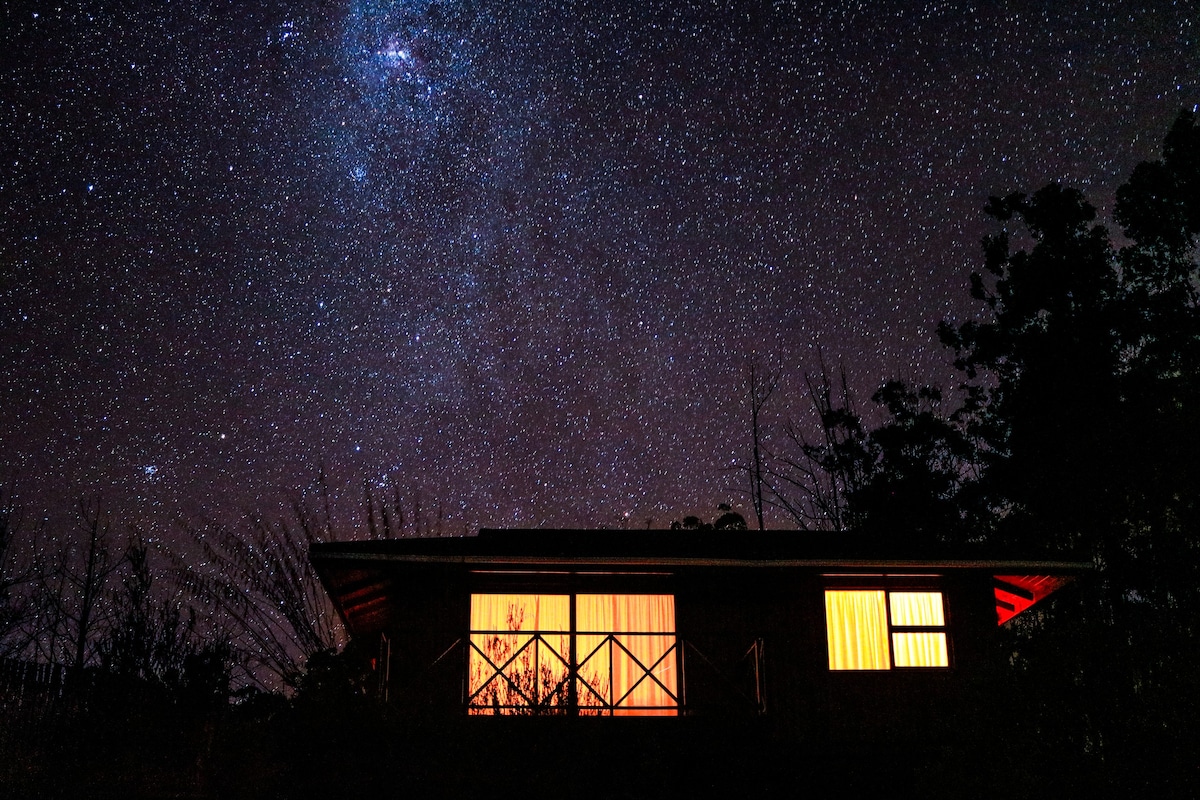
(1082, 400)
(1075, 429)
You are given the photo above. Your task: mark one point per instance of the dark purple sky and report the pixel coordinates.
(513, 255)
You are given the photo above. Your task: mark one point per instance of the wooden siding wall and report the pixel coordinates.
(721, 613)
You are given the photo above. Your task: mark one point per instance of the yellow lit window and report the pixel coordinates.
(520, 652)
(618, 659)
(876, 629)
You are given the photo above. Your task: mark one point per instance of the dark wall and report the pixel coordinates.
(752, 645)
(724, 611)
(424, 658)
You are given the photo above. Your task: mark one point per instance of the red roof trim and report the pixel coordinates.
(1017, 593)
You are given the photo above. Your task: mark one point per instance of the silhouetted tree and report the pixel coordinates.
(256, 580)
(812, 479)
(727, 520)
(1083, 388)
(72, 599)
(1157, 436)
(1082, 384)
(1041, 368)
(900, 479)
(911, 469)
(760, 384)
(1076, 430)
(256, 576)
(15, 577)
(156, 641)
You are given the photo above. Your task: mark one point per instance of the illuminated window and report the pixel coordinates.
(520, 653)
(878, 629)
(617, 659)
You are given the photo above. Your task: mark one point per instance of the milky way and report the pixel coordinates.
(513, 257)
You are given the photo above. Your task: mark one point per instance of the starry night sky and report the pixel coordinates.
(514, 256)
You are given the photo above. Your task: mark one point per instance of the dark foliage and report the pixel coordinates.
(1083, 392)
(903, 478)
(15, 577)
(156, 642)
(727, 520)
(1074, 432)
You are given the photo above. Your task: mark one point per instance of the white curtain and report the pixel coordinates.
(508, 671)
(643, 630)
(856, 629)
(624, 648)
(918, 648)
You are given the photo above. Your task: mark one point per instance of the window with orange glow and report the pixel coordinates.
(519, 653)
(877, 629)
(618, 659)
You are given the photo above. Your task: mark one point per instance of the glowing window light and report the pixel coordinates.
(619, 660)
(625, 648)
(857, 630)
(877, 629)
(519, 652)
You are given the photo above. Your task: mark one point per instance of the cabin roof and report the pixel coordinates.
(361, 576)
(534, 547)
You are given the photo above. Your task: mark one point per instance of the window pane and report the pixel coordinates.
(626, 653)
(920, 649)
(916, 609)
(519, 652)
(857, 631)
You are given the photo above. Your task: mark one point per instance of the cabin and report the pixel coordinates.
(682, 654)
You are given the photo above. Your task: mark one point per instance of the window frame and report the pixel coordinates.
(572, 585)
(889, 584)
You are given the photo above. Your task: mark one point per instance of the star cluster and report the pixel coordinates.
(513, 257)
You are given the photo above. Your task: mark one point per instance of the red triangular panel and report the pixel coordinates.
(1015, 593)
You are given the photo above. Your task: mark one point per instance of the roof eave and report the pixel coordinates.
(501, 560)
